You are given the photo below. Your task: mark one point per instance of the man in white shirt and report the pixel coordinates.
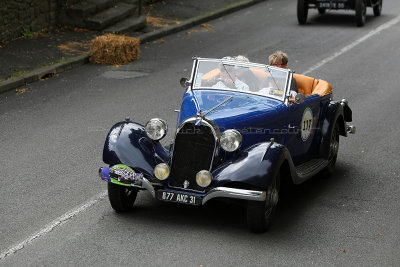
(229, 79)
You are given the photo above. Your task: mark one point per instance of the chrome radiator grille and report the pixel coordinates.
(193, 151)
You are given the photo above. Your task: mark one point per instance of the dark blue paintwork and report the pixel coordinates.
(127, 143)
(253, 168)
(258, 119)
(255, 117)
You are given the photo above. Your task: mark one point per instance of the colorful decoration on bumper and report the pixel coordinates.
(105, 174)
(120, 174)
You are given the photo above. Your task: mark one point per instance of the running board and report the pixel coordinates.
(310, 168)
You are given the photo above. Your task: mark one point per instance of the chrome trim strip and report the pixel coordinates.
(191, 79)
(204, 121)
(228, 192)
(351, 129)
(147, 185)
(288, 86)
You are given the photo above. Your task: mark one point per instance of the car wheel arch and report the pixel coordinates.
(266, 161)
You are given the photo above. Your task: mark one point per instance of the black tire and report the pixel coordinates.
(321, 11)
(378, 9)
(261, 213)
(361, 12)
(121, 197)
(333, 152)
(302, 11)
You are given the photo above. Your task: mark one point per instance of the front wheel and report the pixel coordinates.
(261, 213)
(302, 11)
(378, 8)
(361, 12)
(121, 197)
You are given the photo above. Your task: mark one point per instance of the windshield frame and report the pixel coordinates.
(266, 68)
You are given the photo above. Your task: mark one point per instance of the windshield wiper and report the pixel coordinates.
(230, 77)
(217, 106)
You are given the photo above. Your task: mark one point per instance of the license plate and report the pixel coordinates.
(178, 197)
(332, 5)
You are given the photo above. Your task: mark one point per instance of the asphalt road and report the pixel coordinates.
(52, 139)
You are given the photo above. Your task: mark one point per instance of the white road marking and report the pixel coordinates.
(381, 28)
(103, 194)
(48, 228)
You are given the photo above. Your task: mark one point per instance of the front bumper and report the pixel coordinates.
(140, 182)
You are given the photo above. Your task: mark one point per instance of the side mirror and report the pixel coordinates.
(300, 98)
(184, 82)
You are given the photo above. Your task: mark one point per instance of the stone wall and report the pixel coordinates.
(18, 16)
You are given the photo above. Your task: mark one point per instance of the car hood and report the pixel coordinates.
(247, 113)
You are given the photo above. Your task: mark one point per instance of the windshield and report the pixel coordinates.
(241, 76)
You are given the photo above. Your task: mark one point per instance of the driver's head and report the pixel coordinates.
(278, 59)
(242, 58)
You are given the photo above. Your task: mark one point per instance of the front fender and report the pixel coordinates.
(128, 144)
(253, 168)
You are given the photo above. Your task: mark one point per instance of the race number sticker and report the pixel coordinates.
(306, 124)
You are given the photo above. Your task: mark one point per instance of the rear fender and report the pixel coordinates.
(253, 168)
(128, 144)
(334, 114)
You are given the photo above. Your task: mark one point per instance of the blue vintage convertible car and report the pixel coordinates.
(241, 130)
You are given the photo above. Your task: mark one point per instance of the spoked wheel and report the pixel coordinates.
(261, 213)
(121, 197)
(333, 151)
(361, 12)
(302, 11)
(321, 10)
(378, 8)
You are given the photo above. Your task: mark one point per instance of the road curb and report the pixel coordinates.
(77, 61)
(42, 72)
(151, 36)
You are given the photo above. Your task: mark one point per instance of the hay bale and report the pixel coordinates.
(114, 49)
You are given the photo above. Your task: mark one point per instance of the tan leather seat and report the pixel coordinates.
(305, 84)
(323, 88)
(311, 86)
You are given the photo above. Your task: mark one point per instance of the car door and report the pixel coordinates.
(302, 121)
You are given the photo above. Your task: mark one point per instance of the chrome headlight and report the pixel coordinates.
(203, 178)
(161, 171)
(156, 129)
(230, 140)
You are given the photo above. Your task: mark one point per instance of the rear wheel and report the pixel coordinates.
(321, 10)
(333, 151)
(302, 11)
(378, 8)
(361, 12)
(261, 213)
(121, 197)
